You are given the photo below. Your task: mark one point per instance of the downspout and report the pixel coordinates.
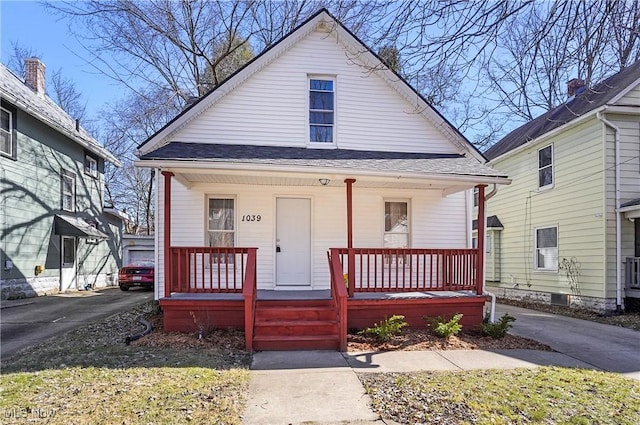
(492, 311)
(617, 210)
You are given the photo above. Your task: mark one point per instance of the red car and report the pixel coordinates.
(138, 273)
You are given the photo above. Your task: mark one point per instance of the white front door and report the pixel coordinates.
(293, 242)
(68, 264)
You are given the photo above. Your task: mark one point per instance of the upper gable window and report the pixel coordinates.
(321, 110)
(6, 132)
(545, 167)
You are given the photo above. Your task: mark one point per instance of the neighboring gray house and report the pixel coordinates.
(569, 224)
(55, 234)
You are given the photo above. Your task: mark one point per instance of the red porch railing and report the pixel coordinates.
(402, 270)
(210, 270)
(339, 295)
(249, 292)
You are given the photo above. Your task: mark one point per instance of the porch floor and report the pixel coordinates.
(322, 294)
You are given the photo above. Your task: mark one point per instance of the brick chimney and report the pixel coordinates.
(34, 76)
(575, 87)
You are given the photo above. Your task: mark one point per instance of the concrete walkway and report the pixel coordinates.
(321, 387)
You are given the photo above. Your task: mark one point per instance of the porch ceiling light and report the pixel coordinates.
(324, 182)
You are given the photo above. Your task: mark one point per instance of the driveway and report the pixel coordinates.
(27, 322)
(611, 348)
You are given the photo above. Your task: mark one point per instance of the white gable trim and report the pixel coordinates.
(356, 52)
(624, 92)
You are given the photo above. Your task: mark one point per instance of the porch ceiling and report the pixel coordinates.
(307, 180)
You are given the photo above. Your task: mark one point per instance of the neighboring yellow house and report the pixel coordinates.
(570, 227)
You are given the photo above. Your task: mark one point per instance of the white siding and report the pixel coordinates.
(436, 222)
(270, 108)
(575, 204)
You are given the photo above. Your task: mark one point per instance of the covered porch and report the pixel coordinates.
(215, 287)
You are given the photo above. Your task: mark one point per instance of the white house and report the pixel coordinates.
(315, 145)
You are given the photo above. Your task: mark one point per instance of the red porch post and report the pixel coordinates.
(351, 270)
(482, 221)
(167, 232)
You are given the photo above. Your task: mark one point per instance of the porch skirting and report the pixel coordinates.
(195, 312)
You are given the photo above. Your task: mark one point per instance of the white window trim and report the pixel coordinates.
(308, 109)
(235, 218)
(93, 166)
(535, 249)
(487, 241)
(552, 165)
(11, 145)
(409, 226)
(72, 176)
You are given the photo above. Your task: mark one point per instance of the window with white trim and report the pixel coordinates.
(321, 110)
(546, 247)
(545, 167)
(221, 222)
(396, 224)
(68, 191)
(487, 243)
(90, 165)
(6, 132)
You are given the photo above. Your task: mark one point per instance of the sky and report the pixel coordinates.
(31, 25)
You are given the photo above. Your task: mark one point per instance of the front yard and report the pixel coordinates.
(89, 376)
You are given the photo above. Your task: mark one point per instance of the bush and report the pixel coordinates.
(386, 328)
(443, 328)
(499, 329)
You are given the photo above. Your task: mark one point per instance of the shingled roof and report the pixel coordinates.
(15, 91)
(418, 163)
(589, 100)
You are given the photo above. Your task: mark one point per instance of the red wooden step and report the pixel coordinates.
(294, 313)
(294, 327)
(283, 343)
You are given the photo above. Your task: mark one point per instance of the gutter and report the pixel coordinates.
(617, 210)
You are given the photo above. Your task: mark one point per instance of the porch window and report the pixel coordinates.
(6, 133)
(68, 191)
(545, 167)
(221, 222)
(321, 110)
(546, 256)
(396, 224)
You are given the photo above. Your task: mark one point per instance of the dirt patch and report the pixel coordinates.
(426, 340)
(409, 340)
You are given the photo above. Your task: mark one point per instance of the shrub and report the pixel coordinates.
(499, 329)
(386, 328)
(443, 328)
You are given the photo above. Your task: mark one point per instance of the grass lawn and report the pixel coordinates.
(89, 376)
(545, 395)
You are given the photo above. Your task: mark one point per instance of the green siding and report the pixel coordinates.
(31, 196)
(574, 204)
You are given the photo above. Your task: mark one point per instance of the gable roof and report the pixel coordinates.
(587, 102)
(322, 17)
(15, 91)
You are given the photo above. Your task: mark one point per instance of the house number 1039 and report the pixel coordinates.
(251, 217)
